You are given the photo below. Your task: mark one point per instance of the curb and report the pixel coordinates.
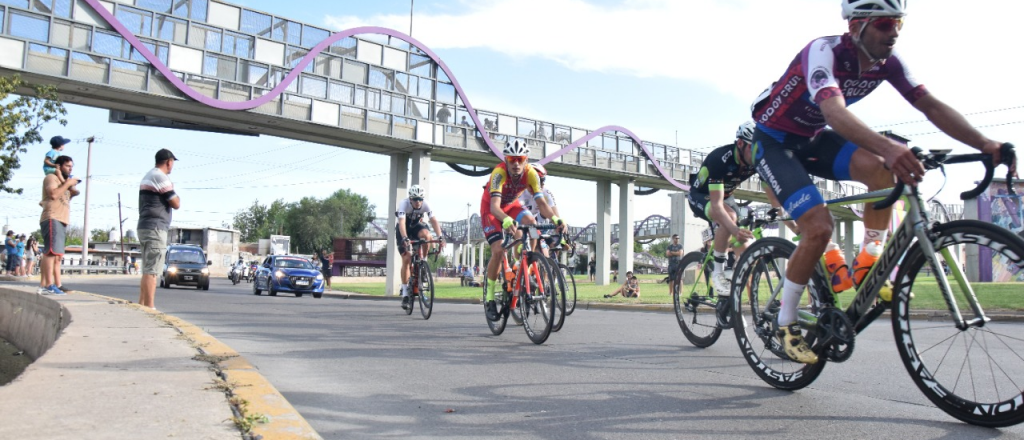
(284, 421)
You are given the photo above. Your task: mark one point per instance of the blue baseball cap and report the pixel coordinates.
(57, 141)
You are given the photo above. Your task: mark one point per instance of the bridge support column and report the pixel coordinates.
(682, 222)
(626, 187)
(456, 254)
(602, 234)
(848, 250)
(397, 188)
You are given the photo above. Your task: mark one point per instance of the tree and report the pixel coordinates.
(260, 221)
(99, 235)
(73, 235)
(637, 247)
(659, 247)
(25, 115)
(313, 224)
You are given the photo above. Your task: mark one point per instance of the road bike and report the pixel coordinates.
(531, 287)
(564, 245)
(421, 281)
(694, 298)
(970, 366)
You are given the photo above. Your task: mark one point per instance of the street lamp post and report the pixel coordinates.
(88, 186)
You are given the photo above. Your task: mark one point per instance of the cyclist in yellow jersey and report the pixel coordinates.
(500, 208)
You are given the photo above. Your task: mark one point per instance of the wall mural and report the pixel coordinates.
(1005, 210)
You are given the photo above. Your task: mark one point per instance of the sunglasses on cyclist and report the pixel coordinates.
(515, 159)
(416, 199)
(886, 24)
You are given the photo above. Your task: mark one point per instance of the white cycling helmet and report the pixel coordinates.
(516, 148)
(416, 192)
(746, 131)
(873, 8)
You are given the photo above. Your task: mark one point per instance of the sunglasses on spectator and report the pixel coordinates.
(886, 24)
(515, 159)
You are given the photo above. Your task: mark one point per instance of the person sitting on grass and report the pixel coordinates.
(629, 289)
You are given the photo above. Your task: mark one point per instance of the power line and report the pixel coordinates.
(979, 126)
(965, 114)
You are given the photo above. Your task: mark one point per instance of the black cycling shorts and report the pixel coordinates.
(784, 161)
(700, 205)
(411, 231)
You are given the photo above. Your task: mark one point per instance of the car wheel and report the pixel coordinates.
(255, 288)
(206, 286)
(270, 289)
(318, 295)
(298, 295)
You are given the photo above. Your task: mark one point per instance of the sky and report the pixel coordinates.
(676, 73)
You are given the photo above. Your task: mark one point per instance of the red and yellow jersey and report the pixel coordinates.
(501, 185)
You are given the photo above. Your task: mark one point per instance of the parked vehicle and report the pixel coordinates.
(287, 273)
(185, 264)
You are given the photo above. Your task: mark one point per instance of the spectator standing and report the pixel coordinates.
(57, 144)
(593, 268)
(674, 253)
(20, 271)
(443, 114)
(156, 199)
(58, 189)
(327, 265)
(11, 250)
(31, 253)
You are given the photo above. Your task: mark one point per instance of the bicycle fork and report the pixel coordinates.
(925, 241)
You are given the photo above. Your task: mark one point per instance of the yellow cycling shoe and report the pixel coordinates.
(795, 346)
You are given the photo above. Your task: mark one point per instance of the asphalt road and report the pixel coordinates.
(361, 368)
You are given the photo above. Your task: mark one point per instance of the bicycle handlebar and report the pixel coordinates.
(936, 160)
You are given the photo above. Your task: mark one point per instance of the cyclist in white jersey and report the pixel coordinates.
(529, 203)
(412, 214)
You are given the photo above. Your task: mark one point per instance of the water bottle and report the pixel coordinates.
(838, 271)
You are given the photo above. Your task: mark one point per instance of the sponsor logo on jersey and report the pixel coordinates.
(819, 77)
(784, 93)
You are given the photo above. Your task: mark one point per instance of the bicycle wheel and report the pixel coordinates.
(976, 374)
(758, 280)
(409, 291)
(570, 289)
(695, 300)
(497, 327)
(537, 307)
(560, 290)
(426, 291)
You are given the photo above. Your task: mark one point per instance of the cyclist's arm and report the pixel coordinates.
(898, 157)
(718, 211)
(956, 126)
(437, 227)
(401, 228)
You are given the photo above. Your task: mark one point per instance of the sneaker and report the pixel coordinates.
(722, 312)
(795, 346)
(54, 290)
(607, 296)
(65, 289)
(491, 311)
(721, 284)
(43, 291)
(406, 302)
(867, 258)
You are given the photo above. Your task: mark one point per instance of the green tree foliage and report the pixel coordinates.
(20, 122)
(73, 235)
(99, 235)
(312, 223)
(659, 247)
(261, 221)
(637, 247)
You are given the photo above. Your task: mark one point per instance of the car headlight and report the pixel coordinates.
(279, 274)
(205, 271)
(319, 276)
(172, 269)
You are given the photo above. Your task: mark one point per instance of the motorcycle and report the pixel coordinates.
(235, 275)
(252, 273)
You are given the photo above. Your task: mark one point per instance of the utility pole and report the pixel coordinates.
(88, 186)
(411, 4)
(120, 231)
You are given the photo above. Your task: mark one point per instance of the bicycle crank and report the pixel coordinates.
(834, 334)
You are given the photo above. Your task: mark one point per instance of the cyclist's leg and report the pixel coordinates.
(779, 166)
(406, 259)
(424, 234)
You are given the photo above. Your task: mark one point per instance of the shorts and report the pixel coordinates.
(54, 233)
(411, 231)
(700, 205)
(154, 246)
(13, 262)
(491, 225)
(784, 161)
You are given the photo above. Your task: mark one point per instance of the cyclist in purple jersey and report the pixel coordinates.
(790, 141)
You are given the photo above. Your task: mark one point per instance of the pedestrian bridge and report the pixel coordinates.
(224, 66)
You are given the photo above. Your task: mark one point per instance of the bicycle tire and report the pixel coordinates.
(695, 305)
(570, 291)
(413, 279)
(939, 356)
(426, 293)
(538, 307)
(497, 327)
(754, 322)
(560, 290)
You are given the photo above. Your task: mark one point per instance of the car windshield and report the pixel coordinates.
(185, 256)
(292, 263)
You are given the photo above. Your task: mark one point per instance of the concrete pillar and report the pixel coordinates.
(625, 226)
(848, 249)
(397, 188)
(684, 223)
(602, 233)
(421, 170)
(457, 254)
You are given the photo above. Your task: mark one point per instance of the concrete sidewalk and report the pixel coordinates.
(120, 371)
